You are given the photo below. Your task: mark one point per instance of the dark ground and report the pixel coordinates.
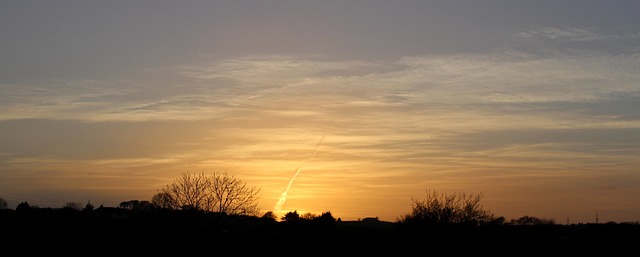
(78, 233)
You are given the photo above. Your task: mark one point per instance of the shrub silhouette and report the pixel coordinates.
(529, 220)
(443, 209)
(73, 205)
(269, 216)
(437, 221)
(291, 217)
(3, 204)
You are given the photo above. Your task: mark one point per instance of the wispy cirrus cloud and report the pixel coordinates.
(465, 121)
(565, 34)
(425, 88)
(576, 41)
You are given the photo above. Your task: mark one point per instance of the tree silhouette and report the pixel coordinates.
(439, 209)
(164, 200)
(190, 191)
(88, 207)
(128, 204)
(73, 205)
(23, 207)
(308, 216)
(529, 220)
(3, 204)
(291, 216)
(232, 196)
(269, 216)
(221, 193)
(325, 219)
(137, 205)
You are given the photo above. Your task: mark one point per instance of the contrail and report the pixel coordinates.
(283, 196)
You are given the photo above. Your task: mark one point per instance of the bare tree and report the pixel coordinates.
(231, 196)
(73, 205)
(190, 191)
(308, 216)
(438, 209)
(215, 192)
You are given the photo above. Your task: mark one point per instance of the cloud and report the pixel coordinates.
(459, 121)
(577, 41)
(441, 92)
(565, 34)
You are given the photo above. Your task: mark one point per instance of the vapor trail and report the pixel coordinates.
(283, 196)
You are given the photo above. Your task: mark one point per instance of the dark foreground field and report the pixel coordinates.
(184, 234)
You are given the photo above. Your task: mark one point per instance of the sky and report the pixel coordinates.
(350, 107)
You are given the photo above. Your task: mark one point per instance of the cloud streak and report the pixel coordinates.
(283, 197)
(264, 85)
(455, 121)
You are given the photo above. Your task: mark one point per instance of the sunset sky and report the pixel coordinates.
(533, 104)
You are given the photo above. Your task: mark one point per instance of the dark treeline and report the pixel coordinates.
(149, 229)
(217, 214)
